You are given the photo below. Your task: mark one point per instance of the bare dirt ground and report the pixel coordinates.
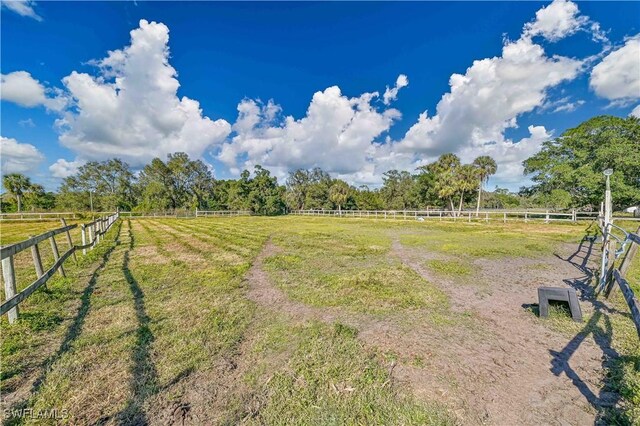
(510, 368)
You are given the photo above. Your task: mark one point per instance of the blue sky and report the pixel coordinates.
(63, 104)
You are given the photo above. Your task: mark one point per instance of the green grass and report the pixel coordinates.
(619, 333)
(167, 321)
(626, 370)
(450, 267)
(170, 304)
(338, 264)
(352, 386)
(493, 241)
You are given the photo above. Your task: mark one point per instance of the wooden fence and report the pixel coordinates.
(163, 214)
(545, 216)
(617, 276)
(218, 213)
(38, 216)
(92, 233)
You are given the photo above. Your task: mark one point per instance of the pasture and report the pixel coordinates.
(304, 320)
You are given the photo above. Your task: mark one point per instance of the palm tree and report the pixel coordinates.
(446, 171)
(467, 175)
(16, 184)
(339, 193)
(486, 167)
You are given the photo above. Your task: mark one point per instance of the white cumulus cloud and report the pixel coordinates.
(391, 94)
(509, 156)
(493, 93)
(16, 157)
(63, 168)
(617, 77)
(131, 109)
(21, 88)
(336, 134)
(489, 97)
(560, 19)
(22, 8)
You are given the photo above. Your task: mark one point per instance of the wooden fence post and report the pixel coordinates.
(92, 235)
(546, 220)
(64, 223)
(37, 261)
(83, 232)
(56, 254)
(9, 286)
(626, 262)
(504, 218)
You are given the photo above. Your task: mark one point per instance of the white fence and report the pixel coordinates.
(38, 216)
(218, 213)
(469, 216)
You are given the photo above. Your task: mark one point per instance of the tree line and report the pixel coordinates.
(567, 172)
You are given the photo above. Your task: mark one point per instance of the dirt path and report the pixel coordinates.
(513, 377)
(515, 370)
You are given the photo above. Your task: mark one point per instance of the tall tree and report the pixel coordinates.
(368, 199)
(317, 195)
(467, 178)
(397, 189)
(486, 167)
(446, 171)
(156, 187)
(178, 183)
(297, 187)
(17, 185)
(339, 193)
(265, 196)
(108, 185)
(574, 162)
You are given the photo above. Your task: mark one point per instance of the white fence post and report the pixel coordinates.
(9, 286)
(84, 238)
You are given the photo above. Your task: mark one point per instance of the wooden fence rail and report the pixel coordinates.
(616, 276)
(37, 216)
(630, 298)
(469, 216)
(96, 230)
(213, 213)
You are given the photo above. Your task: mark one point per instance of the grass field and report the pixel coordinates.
(295, 320)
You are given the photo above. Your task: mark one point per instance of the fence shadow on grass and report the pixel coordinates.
(144, 377)
(73, 331)
(599, 326)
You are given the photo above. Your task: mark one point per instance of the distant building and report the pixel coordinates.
(633, 209)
